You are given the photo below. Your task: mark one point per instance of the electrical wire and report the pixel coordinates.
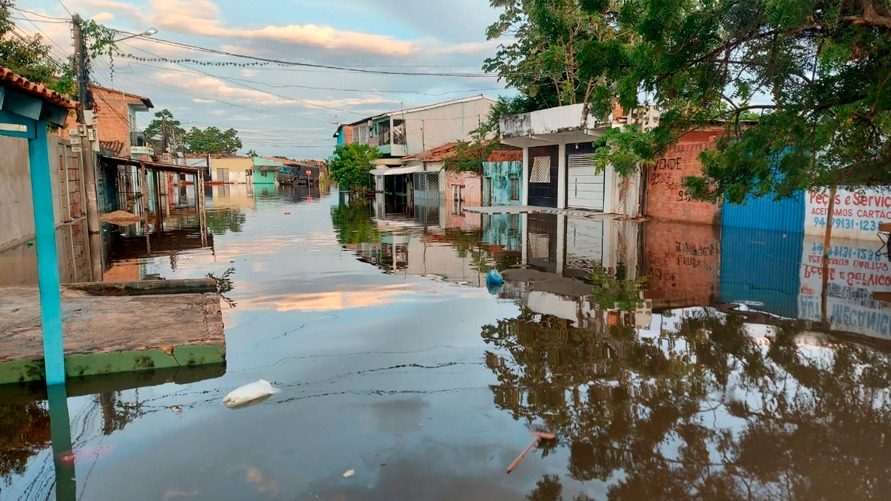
(310, 65)
(64, 7)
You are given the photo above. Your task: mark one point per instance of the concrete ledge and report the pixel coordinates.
(77, 386)
(110, 334)
(144, 287)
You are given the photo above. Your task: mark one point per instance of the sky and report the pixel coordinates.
(282, 109)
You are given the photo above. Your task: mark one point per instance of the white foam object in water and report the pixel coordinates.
(255, 392)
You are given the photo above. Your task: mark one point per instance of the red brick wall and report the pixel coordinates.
(666, 197)
(112, 120)
(682, 263)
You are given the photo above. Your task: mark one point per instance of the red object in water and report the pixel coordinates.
(287, 213)
(67, 458)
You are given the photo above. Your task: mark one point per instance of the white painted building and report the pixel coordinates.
(557, 167)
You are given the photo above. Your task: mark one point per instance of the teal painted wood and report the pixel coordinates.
(764, 213)
(47, 258)
(60, 432)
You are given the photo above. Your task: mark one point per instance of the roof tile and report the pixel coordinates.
(20, 83)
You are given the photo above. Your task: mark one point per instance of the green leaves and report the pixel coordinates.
(213, 140)
(351, 166)
(31, 57)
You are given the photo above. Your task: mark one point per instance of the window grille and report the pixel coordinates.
(541, 170)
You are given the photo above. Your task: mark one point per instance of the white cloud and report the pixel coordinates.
(102, 17)
(348, 102)
(202, 17)
(218, 90)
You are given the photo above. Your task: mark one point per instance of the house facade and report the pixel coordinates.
(115, 117)
(410, 131)
(231, 169)
(558, 171)
(402, 134)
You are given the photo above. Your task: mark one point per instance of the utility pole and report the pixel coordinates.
(165, 149)
(86, 118)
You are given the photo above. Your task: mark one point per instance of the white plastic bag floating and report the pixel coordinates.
(249, 394)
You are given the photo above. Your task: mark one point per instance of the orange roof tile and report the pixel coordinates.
(506, 156)
(22, 84)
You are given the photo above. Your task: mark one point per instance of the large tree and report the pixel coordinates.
(30, 56)
(545, 42)
(165, 132)
(814, 72)
(351, 166)
(213, 140)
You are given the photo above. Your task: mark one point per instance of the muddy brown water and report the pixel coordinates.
(396, 362)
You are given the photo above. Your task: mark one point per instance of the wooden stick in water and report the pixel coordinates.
(538, 437)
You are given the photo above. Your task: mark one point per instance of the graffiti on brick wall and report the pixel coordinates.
(666, 176)
(681, 262)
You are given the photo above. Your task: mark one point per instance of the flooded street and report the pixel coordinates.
(403, 375)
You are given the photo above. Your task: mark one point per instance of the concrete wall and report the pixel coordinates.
(548, 121)
(18, 255)
(16, 206)
(236, 168)
(497, 185)
(857, 213)
(468, 184)
(433, 127)
(666, 197)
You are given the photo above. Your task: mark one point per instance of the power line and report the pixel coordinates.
(301, 101)
(66, 8)
(38, 14)
(313, 65)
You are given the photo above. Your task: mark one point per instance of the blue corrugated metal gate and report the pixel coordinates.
(764, 213)
(760, 266)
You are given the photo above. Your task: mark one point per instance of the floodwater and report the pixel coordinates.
(404, 376)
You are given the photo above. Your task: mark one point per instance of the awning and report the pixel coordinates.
(392, 171)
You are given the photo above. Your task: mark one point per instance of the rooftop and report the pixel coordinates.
(22, 84)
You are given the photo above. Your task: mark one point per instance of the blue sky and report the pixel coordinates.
(290, 111)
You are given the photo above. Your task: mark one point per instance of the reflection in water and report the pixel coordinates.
(672, 401)
(705, 408)
(25, 430)
(18, 264)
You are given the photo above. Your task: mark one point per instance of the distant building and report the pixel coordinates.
(116, 121)
(413, 130)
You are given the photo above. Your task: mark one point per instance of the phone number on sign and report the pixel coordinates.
(847, 223)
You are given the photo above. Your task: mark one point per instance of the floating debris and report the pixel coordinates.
(349, 473)
(120, 218)
(249, 394)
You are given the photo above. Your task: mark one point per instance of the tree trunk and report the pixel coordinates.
(827, 238)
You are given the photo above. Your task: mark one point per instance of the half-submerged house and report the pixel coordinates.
(558, 171)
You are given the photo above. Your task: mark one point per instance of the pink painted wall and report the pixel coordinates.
(472, 184)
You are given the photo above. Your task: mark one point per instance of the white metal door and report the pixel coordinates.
(584, 186)
(584, 244)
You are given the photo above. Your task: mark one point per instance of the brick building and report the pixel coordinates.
(115, 119)
(666, 197)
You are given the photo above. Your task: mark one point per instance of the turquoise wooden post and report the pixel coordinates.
(47, 259)
(63, 453)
